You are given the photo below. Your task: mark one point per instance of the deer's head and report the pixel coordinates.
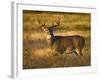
(49, 29)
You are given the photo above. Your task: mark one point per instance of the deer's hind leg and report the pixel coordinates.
(79, 51)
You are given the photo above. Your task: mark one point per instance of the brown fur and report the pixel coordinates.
(69, 43)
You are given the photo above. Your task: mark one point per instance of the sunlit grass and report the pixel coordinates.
(37, 53)
(41, 55)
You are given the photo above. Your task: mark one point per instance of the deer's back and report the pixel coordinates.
(69, 41)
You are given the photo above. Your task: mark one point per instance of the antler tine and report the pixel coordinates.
(41, 23)
(58, 21)
(52, 23)
(38, 20)
(44, 24)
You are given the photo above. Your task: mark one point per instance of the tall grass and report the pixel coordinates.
(37, 53)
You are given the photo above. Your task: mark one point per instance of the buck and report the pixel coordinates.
(70, 44)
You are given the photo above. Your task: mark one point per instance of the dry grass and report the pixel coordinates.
(38, 53)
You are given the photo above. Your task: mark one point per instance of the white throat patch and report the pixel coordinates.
(48, 37)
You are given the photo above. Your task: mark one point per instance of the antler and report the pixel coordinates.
(41, 23)
(38, 20)
(56, 23)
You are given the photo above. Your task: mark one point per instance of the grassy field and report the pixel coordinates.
(37, 53)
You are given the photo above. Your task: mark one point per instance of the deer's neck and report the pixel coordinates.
(52, 35)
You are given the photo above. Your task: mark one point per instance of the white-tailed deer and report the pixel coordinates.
(61, 44)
